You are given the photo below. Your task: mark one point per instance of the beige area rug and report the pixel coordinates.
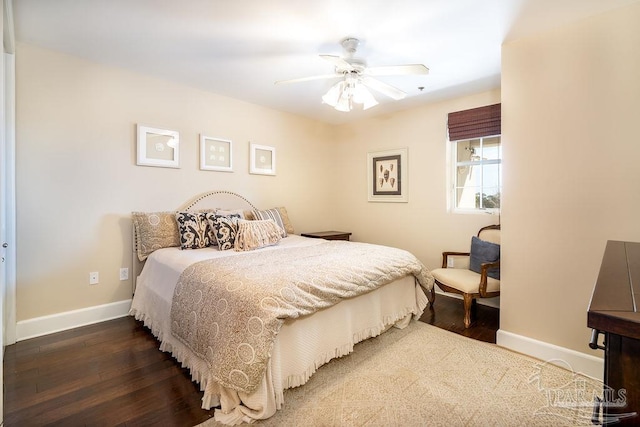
(423, 375)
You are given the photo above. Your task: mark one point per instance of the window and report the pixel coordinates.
(477, 181)
(476, 151)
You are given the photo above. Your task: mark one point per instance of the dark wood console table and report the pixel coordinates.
(615, 312)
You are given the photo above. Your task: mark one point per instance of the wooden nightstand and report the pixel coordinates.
(328, 235)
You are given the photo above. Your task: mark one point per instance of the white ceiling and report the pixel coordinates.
(239, 48)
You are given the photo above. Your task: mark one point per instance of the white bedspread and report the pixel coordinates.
(302, 345)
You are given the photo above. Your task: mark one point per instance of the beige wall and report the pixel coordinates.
(571, 103)
(424, 225)
(77, 180)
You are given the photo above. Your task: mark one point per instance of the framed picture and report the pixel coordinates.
(387, 175)
(262, 159)
(216, 154)
(158, 147)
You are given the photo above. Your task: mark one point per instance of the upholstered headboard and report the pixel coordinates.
(218, 200)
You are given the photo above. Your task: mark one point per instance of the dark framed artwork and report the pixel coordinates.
(387, 175)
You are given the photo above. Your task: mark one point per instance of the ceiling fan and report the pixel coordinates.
(357, 77)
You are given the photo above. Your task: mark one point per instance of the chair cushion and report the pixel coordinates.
(481, 252)
(464, 280)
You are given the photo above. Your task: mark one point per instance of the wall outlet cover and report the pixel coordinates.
(94, 278)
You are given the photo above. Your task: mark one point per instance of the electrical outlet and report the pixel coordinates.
(450, 262)
(124, 273)
(94, 278)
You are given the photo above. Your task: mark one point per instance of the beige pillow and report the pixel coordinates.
(249, 216)
(155, 230)
(256, 234)
(288, 227)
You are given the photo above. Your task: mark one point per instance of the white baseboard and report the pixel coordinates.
(583, 363)
(44, 325)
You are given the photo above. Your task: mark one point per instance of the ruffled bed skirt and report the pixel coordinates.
(301, 347)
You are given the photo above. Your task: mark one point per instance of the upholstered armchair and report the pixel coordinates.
(474, 274)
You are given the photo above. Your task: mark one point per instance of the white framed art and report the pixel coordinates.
(262, 159)
(387, 176)
(158, 147)
(216, 154)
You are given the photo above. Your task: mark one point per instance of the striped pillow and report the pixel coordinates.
(273, 214)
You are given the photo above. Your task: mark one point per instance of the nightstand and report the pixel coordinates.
(328, 235)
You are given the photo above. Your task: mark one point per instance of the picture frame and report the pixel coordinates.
(262, 159)
(158, 147)
(387, 176)
(216, 154)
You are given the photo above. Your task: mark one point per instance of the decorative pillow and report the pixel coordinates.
(481, 252)
(288, 227)
(155, 230)
(224, 228)
(223, 212)
(273, 214)
(194, 230)
(257, 234)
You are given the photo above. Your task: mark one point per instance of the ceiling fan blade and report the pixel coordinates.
(397, 70)
(383, 88)
(339, 62)
(306, 79)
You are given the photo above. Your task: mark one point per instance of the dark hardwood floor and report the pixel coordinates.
(448, 313)
(112, 374)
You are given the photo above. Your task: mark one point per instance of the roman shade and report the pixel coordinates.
(475, 123)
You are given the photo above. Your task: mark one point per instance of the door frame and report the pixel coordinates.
(7, 190)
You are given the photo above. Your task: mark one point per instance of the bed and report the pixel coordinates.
(285, 323)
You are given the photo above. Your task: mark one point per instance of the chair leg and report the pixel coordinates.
(431, 295)
(468, 302)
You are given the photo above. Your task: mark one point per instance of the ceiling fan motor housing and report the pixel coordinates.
(350, 45)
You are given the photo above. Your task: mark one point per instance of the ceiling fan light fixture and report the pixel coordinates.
(343, 94)
(339, 96)
(362, 96)
(344, 104)
(333, 95)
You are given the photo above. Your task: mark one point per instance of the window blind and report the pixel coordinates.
(475, 123)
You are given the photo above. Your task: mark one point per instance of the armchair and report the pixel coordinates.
(474, 274)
